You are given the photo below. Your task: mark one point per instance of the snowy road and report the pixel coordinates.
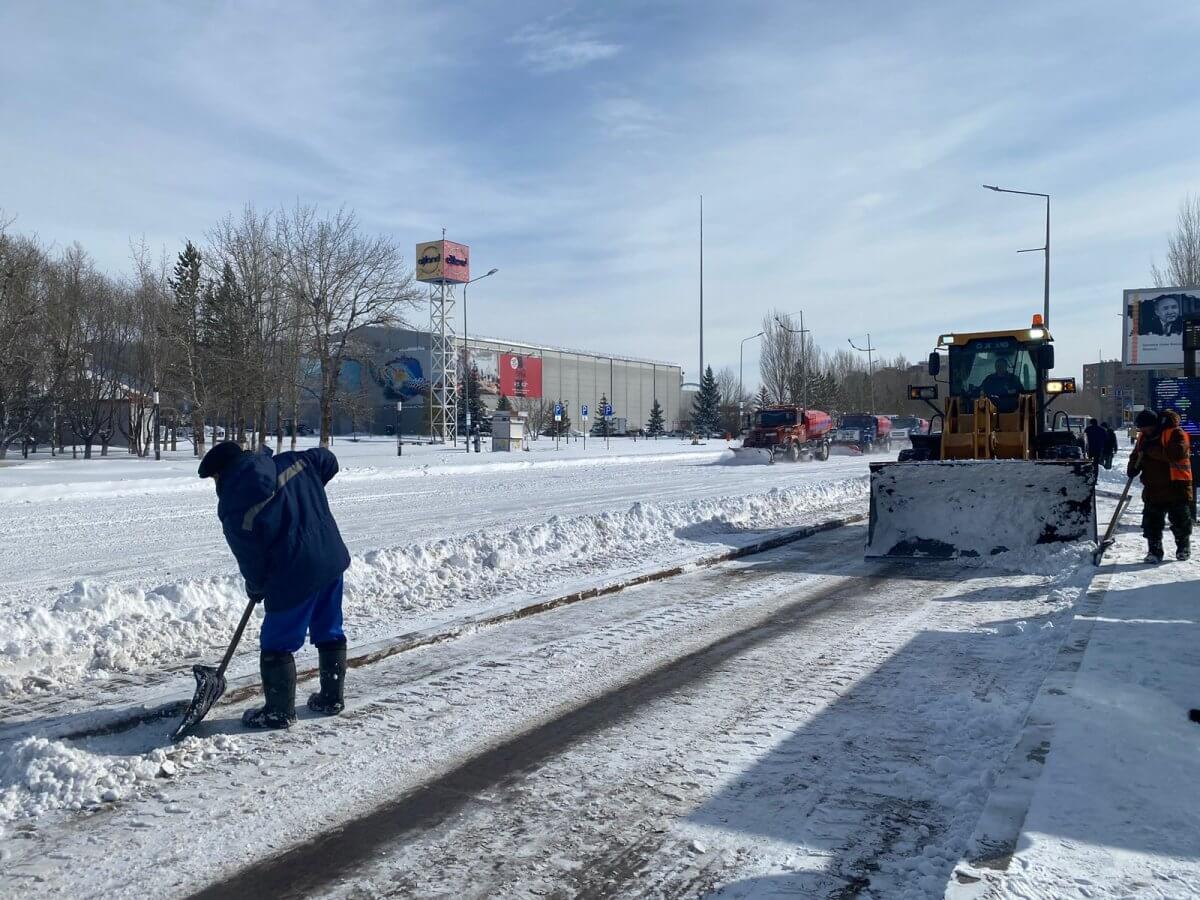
(799, 722)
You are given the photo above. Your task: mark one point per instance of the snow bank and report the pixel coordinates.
(96, 629)
(38, 775)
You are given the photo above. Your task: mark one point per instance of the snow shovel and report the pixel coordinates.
(1108, 540)
(210, 683)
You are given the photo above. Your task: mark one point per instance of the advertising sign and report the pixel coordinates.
(1153, 326)
(487, 364)
(403, 376)
(520, 376)
(1181, 395)
(443, 262)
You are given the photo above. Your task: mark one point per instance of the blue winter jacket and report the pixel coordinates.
(277, 521)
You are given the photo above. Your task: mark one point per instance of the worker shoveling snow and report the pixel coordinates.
(978, 507)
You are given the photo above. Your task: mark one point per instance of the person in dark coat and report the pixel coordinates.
(1162, 457)
(277, 521)
(1097, 441)
(1110, 446)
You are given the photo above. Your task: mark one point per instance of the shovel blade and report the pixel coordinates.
(210, 685)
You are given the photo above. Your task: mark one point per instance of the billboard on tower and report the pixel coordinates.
(1153, 326)
(443, 262)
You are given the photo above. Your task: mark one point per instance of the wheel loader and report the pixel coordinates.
(998, 475)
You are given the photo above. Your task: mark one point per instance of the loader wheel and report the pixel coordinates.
(793, 453)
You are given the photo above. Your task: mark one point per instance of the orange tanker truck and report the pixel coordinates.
(789, 432)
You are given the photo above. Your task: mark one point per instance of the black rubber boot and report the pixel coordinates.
(279, 688)
(1183, 551)
(1154, 553)
(332, 698)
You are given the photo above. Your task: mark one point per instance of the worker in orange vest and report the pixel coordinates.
(1162, 456)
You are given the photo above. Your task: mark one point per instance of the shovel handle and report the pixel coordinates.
(237, 637)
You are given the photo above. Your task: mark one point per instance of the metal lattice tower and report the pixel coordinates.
(443, 386)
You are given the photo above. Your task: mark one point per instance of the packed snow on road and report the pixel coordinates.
(632, 671)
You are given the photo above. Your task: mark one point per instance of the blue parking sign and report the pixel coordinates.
(583, 410)
(608, 410)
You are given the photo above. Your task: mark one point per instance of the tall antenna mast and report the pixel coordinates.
(700, 375)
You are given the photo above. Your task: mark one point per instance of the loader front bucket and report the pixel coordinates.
(959, 508)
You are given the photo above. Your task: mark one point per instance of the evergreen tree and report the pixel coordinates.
(598, 423)
(654, 427)
(469, 400)
(763, 400)
(706, 408)
(504, 404)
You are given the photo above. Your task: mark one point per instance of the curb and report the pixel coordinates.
(248, 685)
(994, 841)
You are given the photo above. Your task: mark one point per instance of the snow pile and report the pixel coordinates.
(95, 629)
(38, 775)
(978, 508)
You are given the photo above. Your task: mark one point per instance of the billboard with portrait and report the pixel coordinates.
(1153, 325)
(520, 376)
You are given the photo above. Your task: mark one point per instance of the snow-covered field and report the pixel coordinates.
(798, 723)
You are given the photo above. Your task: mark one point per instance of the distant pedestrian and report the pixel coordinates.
(277, 522)
(1097, 441)
(1110, 448)
(1162, 457)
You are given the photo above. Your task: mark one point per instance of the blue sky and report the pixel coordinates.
(839, 148)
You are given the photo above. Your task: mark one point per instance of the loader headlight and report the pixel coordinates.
(1036, 334)
(1060, 386)
(922, 392)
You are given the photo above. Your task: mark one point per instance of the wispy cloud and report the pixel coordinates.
(549, 48)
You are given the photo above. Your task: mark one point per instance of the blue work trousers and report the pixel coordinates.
(320, 616)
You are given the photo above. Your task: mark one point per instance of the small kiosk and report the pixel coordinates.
(508, 430)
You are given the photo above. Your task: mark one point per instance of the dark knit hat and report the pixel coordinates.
(1146, 418)
(220, 456)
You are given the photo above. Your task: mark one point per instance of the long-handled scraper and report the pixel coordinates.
(210, 682)
(1110, 533)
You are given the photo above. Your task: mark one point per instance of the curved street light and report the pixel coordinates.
(1046, 283)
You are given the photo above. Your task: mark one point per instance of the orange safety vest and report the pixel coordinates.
(1181, 469)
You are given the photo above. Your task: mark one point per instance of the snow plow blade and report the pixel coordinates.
(969, 508)
(752, 456)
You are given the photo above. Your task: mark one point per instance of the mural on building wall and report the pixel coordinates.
(402, 376)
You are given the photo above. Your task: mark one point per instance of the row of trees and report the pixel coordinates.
(233, 332)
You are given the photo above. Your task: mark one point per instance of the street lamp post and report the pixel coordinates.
(399, 434)
(869, 350)
(1046, 249)
(741, 367)
(802, 331)
(467, 354)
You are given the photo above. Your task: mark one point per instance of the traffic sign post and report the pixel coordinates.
(399, 439)
(558, 414)
(607, 420)
(583, 411)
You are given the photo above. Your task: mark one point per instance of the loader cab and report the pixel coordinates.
(1001, 368)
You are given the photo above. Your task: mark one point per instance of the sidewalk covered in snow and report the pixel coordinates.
(1103, 794)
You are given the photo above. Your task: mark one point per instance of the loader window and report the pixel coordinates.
(775, 418)
(1004, 364)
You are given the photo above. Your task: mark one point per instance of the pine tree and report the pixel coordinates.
(504, 404)
(470, 401)
(654, 427)
(706, 408)
(598, 423)
(763, 400)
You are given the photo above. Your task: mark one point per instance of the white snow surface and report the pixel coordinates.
(97, 626)
(1115, 811)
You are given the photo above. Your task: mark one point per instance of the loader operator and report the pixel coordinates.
(277, 522)
(1002, 386)
(1162, 456)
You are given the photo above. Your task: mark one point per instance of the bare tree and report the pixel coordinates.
(539, 414)
(29, 370)
(733, 399)
(343, 281)
(1183, 249)
(779, 356)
